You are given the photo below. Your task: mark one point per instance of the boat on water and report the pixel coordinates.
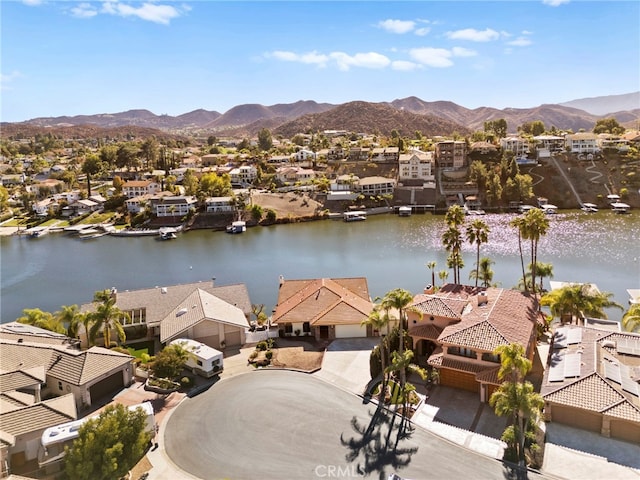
(589, 207)
(238, 226)
(37, 232)
(549, 209)
(90, 233)
(619, 207)
(404, 211)
(355, 216)
(525, 208)
(135, 232)
(168, 233)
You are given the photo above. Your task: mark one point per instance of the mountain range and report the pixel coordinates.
(406, 116)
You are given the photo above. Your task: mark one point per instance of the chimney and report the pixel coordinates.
(428, 290)
(281, 280)
(213, 281)
(482, 299)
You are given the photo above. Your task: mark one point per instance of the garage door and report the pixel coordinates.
(233, 338)
(106, 386)
(350, 331)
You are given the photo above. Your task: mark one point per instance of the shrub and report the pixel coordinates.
(186, 382)
(269, 354)
(262, 346)
(253, 355)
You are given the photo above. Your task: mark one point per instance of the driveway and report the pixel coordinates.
(346, 363)
(274, 424)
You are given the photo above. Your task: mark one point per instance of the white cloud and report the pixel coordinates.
(432, 57)
(405, 66)
(526, 32)
(554, 3)
(7, 79)
(313, 58)
(363, 60)
(32, 3)
(421, 32)
(397, 26)
(84, 10)
(474, 35)
(151, 12)
(520, 42)
(463, 52)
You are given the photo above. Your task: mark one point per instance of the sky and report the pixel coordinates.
(171, 57)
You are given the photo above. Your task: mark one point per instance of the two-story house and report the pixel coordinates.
(519, 146)
(460, 326)
(243, 176)
(385, 154)
(451, 154)
(175, 206)
(582, 142)
(137, 188)
(219, 205)
(372, 186)
(416, 166)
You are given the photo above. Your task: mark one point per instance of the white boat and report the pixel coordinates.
(168, 233)
(404, 211)
(620, 207)
(238, 226)
(634, 295)
(355, 216)
(525, 208)
(589, 207)
(549, 209)
(89, 233)
(37, 232)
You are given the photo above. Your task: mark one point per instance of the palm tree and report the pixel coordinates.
(452, 240)
(518, 223)
(107, 317)
(523, 404)
(578, 301)
(536, 225)
(431, 266)
(399, 299)
(40, 319)
(443, 275)
(484, 273)
(631, 319)
(478, 233)
(377, 319)
(514, 365)
(402, 363)
(71, 318)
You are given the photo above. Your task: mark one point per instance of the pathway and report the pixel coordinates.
(566, 179)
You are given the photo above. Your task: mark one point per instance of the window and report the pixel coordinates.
(490, 357)
(199, 363)
(461, 352)
(288, 328)
(306, 327)
(59, 385)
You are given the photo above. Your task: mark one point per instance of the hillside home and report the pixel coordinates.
(372, 186)
(137, 188)
(214, 315)
(219, 205)
(304, 155)
(335, 154)
(137, 204)
(290, 175)
(344, 183)
(451, 154)
(519, 146)
(243, 176)
(582, 143)
(359, 154)
(325, 308)
(553, 143)
(415, 167)
(460, 326)
(592, 381)
(387, 155)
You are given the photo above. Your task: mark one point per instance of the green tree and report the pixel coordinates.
(452, 240)
(497, 127)
(477, 233)
(149, 152)
(127, 156)
(531, 226)
(91, 166)
(578, 301)
(170, 361)
(431, 266)
(214, 185)
(631, 318)
(483, 273)
(107, 318)
(608, 125)
(493, 191)
(533, 128)
(190, 183)
(377, 320)
(265, 141)
(4, 199)
(71, 317)
(41, 319)
(109, 446)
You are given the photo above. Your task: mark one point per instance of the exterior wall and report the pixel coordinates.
(574, 417)
(461, 380)
(219, 205)
(26, 448)
(627, 431)
(350, 331)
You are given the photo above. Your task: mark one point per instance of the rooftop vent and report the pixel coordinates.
(482, 299)
(180, 312)
(163, 290)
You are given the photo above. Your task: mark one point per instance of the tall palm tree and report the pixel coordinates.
(536, 225)
(631, 319)
(514, 365)
(71, 318)
(443, 275)
(431, 266)
(477, 233)
(107, 317)
(399, 300)
(523, 404)
(402, 363)
(378, 319)
(452, 240)
(518, 224)
(544, 270)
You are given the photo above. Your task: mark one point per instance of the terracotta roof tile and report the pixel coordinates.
(430, 332)
(24, 420)
(589, 393)
(625, 411)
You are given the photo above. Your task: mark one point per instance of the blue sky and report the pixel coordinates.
(70, 58)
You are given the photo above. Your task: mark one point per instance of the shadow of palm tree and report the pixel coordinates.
(377, 447)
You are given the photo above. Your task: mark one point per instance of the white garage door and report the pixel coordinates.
(350, 331)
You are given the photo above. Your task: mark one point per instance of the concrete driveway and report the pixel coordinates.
(274, 424)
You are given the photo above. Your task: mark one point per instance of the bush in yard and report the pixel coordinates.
(269, 354)
(170, 361)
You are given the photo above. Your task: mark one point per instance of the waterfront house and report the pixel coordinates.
(170, 206)
(325, 308)
(371, 186)
(416, 167)
(460, 326)
(137, 188)
(451, 154)
(219, 205)
(291, 175)
(243, 176)
(592, 381)
(157, 315)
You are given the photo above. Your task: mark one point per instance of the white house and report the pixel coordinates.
(244, 175)
(176, 206)
(219, 205)
(416, 165)
(582, 142)
(304, 155)
(294, 174)
(136, 188)
(519, 146)
(376, 186)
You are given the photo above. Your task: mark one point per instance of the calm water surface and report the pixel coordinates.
(390, 252)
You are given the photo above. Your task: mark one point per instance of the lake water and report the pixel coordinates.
(391, 252)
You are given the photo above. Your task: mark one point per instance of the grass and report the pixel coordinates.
(137, 353)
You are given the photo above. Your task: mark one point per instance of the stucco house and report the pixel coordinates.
(325, 308)
(592, 381)
(214, 315)
(460, 326)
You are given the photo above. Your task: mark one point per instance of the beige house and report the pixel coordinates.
(592, 381)
(213, 313)
(137, 188)
(451, 154)
(461, 326)
(325, 308)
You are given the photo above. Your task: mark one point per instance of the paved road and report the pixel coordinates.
(281, 424)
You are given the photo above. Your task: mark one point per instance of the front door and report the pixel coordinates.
(324, 332)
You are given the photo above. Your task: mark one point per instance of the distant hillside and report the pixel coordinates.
(404, 115)
(379, 118)
(606, 105)
(125, 132)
